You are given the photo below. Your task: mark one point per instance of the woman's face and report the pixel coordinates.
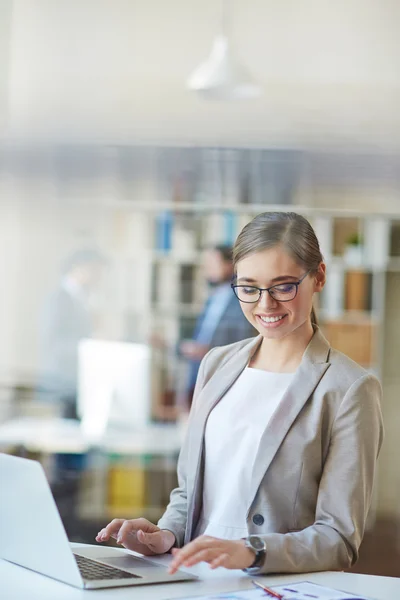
(273, 318)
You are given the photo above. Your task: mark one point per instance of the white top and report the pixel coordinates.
(232, 437)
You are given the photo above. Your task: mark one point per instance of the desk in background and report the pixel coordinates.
(128, 473)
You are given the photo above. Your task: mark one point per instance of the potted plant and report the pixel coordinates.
(354, 250)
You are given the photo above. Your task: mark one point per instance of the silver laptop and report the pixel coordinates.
(33, 536)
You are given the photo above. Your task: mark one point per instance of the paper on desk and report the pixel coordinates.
(302, 590)
(305, 590)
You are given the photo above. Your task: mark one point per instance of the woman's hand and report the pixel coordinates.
(218, 553)
(139, 535)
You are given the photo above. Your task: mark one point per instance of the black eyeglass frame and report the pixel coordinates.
(261, 290)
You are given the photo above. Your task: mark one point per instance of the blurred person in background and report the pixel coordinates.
(221, 321)
(277, 468)
(66, 319)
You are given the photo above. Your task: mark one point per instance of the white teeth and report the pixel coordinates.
(271, 319)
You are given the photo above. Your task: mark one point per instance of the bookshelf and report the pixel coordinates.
(153, 210)
(171, 292)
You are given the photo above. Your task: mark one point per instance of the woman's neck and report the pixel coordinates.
(283, 355)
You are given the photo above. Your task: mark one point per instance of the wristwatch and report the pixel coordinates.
(259, 547)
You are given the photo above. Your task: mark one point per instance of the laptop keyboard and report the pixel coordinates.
(93, 570)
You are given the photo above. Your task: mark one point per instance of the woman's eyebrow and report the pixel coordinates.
(274, 280)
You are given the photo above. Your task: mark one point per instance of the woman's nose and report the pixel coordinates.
(266, 301)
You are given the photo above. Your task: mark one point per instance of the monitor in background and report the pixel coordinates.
(114, 388)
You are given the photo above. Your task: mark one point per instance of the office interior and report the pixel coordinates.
(108, 154)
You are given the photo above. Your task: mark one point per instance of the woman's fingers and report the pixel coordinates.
(111, 530)
(123, 530)
(221, 561)
(126, 532)
(206, 555)
(201, 544)
(158, 542)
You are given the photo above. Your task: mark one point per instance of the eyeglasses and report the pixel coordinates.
(283, 292)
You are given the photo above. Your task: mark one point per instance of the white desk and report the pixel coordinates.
(54, 435)
(65, 436)
(20, 584)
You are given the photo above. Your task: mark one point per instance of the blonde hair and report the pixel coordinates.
(288, 229)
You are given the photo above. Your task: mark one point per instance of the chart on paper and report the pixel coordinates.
(302, 590)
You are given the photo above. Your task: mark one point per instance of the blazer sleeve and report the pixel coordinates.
(175, 517)
(345, 490)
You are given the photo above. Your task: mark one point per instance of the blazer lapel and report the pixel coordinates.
(311, 369)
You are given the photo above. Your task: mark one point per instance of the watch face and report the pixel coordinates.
(256, 543)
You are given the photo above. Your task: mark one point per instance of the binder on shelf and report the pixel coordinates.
(323, 227)
(357, 290)
(253, 188)
(210, 187)
(356, 340)
(164, 225)
(160, 481)
(230, 221)
(187, 326)
(213, 229)
(332, 300)
(131, 232)
(127, 486)
(183, 239)
(377, 242)
(231, 176)
(395, 239)
(186, 283)
(167, 283)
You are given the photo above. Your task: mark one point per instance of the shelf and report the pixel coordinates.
(178, 310)
(152, 513)
(194, 207)
(393, 265)
(349, 317)
(172, 256)
(340, 261)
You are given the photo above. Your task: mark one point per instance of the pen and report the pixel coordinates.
(267, 590)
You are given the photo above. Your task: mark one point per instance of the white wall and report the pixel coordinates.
(5, 37)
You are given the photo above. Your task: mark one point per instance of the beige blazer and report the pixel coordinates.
(313, 475)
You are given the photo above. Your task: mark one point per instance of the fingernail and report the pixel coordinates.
(103, 536)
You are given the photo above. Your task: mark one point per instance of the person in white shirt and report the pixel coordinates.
(67, 318)
(277, 468)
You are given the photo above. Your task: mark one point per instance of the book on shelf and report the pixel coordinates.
(332, 295)
(164, 223)
(394, 249)
(358, 290)
(323, 227)
(165, 283)
(356, 340)
(186, 283)
(127, 486)
(187, 326)
(377, 236)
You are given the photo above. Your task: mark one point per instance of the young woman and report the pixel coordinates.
(277, 468)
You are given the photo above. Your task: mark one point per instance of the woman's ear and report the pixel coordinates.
(320, 277)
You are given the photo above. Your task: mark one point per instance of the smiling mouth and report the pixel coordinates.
(271, 319)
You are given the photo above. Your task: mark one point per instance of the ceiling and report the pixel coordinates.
(115, 70)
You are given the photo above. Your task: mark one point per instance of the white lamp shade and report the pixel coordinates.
(221, 77)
